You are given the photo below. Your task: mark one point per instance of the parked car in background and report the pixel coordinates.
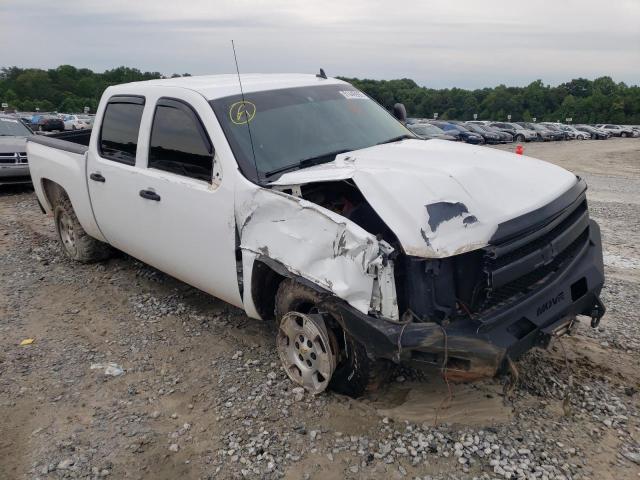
(428, 131)
(459, 132)
(76, 122)
(490, 137)
(617, 130)
(519, 133)
(48, 123)
(505, 137)
(543, 133)
(555, 127)
(577, 134)
(595, 133)
(14, 167)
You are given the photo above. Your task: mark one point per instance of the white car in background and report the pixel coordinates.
(77, 122)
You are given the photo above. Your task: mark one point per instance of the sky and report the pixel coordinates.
(439, 44)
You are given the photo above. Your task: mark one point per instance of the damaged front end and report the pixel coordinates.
(470, 312)
(474, 312)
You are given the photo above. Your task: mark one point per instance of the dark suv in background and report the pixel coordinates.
(48, 123)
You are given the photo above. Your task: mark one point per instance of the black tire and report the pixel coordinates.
(355, 373)
(519, 138)
(623, 134)
(75, 242)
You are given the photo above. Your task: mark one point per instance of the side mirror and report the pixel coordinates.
(400, 112)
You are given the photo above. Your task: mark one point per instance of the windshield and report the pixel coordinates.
(11, 127)
(290, 125)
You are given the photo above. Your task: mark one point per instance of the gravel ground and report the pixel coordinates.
(133, 374)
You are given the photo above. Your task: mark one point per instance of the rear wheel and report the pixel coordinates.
(75, 242)
(306, 331)
(519, 138)
(623, 134)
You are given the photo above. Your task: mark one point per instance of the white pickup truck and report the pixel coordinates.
(304, 201)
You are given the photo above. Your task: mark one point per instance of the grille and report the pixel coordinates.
(530, 282)
(530, 266)
(541, 241)
(13, 158)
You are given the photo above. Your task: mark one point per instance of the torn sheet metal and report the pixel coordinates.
(315, 243)
(470, 190)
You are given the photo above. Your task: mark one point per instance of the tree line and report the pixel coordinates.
(63, 89)
(70, 89)
(584, 101)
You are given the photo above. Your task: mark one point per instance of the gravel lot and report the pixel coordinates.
(195, 389)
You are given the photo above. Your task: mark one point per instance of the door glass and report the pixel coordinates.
(119, 132)
(179, 143)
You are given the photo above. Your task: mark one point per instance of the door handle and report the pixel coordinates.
(96, 177)
(150, 195)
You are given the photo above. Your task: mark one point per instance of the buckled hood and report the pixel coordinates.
(441, 198)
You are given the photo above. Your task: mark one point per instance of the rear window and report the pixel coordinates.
(120, 127)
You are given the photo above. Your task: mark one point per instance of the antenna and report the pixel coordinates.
(255, 164)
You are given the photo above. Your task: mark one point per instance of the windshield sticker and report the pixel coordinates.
(352, 94)
(9, 120)
(242, 112)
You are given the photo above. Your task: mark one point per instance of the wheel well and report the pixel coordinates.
(264, 285)
(53, 192)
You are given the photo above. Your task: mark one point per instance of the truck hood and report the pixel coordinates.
(13, 144)
(442, 198)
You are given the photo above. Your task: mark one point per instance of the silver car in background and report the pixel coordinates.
(14, 167)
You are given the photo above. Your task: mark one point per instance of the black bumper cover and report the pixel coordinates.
(476, 349)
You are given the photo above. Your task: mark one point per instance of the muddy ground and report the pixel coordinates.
(202, 394)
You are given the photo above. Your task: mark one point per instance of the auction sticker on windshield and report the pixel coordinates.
(353, 94)
(242, 112)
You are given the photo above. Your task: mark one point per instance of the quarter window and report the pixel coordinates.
(120, 127)
(179, 143)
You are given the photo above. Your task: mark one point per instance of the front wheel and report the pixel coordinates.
(75, 242)
(314, 350)
(623, 134)
(520, 138)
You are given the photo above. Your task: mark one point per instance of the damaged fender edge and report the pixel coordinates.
(321, 246)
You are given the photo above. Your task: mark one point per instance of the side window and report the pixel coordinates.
(179, 143)
(120, 127)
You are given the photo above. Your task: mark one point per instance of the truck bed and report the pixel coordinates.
(74, 142)
(60, 161)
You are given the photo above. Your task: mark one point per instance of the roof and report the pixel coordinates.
(218, 86)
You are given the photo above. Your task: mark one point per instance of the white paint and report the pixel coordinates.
(400, 179)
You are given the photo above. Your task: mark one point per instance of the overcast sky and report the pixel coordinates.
(462, 43)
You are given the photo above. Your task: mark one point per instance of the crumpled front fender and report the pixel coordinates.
(320, 246)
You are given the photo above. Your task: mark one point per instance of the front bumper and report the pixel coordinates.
(14, 174)
(474, 349)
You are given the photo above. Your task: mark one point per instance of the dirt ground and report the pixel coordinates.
(201, 394)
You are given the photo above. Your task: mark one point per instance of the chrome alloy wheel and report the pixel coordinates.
(305, 350)
(67, 234)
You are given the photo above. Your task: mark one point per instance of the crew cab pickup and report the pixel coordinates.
(300, 199)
